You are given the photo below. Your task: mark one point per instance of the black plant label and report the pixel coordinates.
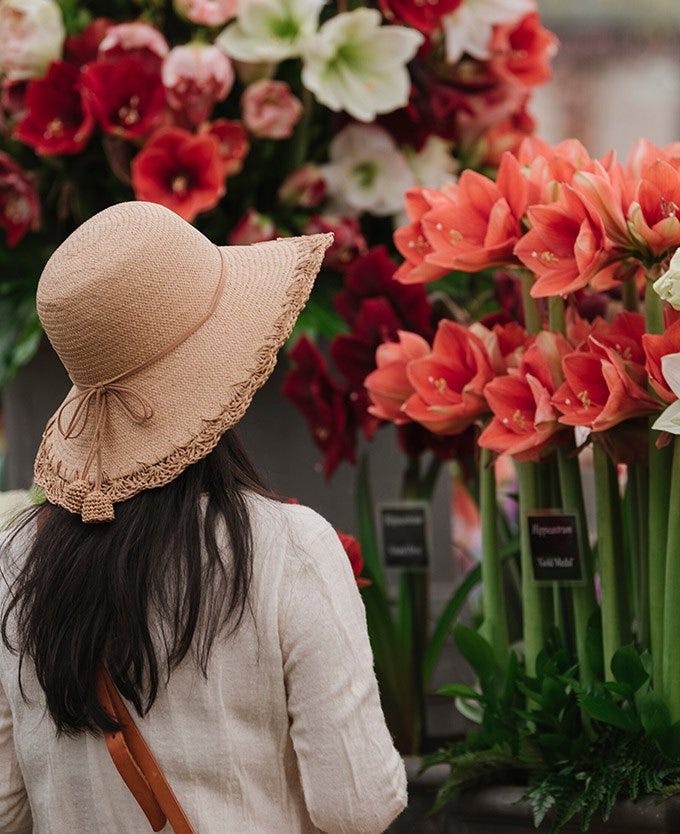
(405, 534)
(555, 551)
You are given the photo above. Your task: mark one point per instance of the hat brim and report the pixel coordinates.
(202, 387)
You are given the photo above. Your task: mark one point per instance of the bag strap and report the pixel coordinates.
(137, 765)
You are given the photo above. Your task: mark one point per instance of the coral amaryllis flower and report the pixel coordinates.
(388, 386)
(411, 241)
(479, 225)
(449, 383)
(521, 52)
(656, 347)
(504, 343)
(180, 171)
(655, 216)
(601, 390)
(125, 97)
(566, 246)
(232, 140)
(525, 422)
(55, 121)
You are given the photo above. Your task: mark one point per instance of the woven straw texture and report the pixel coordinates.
(119, 290)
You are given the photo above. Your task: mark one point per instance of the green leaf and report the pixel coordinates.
(366, 525)
(605, 710)
(478, 653)
(654, 714)
(670, 741)
(627, 667)
(460, 690)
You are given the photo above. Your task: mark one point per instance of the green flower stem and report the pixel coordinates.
(556, 314)
(631, 298)
(614, 592)
(638, 483)
(671, 646)
(495, 626)
(657, 517)
(533, 597)
(583, 596)
(532, 315)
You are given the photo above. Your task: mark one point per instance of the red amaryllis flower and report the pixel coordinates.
(180, 171)
(426, 17)
(566, 247)
(83, 48)
(479, 225)
(232, 140)
(348, 243)
(371, 276)
(411, 241)
(323, 403)
(521, 52)
(125, 97)
(601, 389)
(55, 121)
(137, 39)
(353, 550)
(389, 386)
(656, 347)
(449, 383)
(525, 422)
(19, 202)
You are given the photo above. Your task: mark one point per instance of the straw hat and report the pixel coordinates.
(166, 338)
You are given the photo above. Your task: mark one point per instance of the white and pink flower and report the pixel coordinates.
(270, 110)
(32, 34)
(196, 76)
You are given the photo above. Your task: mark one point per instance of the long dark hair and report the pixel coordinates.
(91, 593)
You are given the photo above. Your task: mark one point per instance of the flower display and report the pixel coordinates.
(196, 76)
(356, 65)
(180, 170)
(469, 28)
(32, 34)
(270, 110)
(19, 203)
(253, 227)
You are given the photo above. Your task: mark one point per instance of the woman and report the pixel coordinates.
(229, 622)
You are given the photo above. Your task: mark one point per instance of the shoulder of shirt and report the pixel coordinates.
(302, 525)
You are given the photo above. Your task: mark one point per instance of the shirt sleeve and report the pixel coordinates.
(353, 779)
(15, 811)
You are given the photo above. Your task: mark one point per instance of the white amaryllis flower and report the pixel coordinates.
(355, 64)
(469, 28)
(270, 30)
(366, 172)
(31, 35)
(668, 286)
(433, 164)
(669, 420)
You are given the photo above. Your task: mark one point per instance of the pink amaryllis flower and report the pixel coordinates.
(305, 187)
(566, 247)
(253, 227)
(479, 224)
(349, 243)
(525, 422)
(196, 76)
(388, 385)
(137, 38)
(449, 383)
(270, 110)
(411, 240)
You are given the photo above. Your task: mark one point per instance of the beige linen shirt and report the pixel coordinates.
(286, 734)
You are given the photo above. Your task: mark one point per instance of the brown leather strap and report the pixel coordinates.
(137, 765)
